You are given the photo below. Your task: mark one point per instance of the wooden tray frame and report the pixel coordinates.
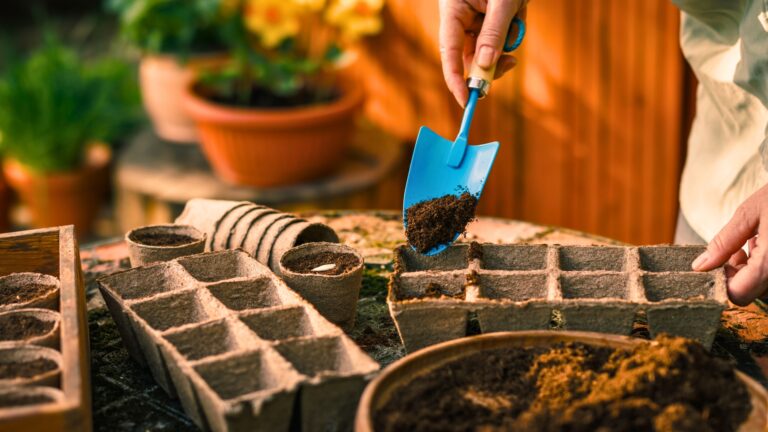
(54, 251)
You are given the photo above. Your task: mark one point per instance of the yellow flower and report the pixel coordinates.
(311, 5)
(356, 18)
(273, 20)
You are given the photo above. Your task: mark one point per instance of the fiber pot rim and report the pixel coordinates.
(32, 352)
(201, 109)
(199, 236)
(338, 248)
(50, 315)
(54, 394)
(402, 371)
(26, 278)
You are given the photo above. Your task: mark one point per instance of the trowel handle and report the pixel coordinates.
(480, 78)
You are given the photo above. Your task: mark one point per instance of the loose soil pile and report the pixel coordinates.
(21, 327)
(26, 369)
(435, 222)
(162, 239)
(674, 385)
(344, 262)
(10, 294)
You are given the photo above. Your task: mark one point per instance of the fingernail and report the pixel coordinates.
(486, 56)
(700, 261)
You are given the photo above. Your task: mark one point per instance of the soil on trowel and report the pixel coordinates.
(21, 327)
(435, 222)
(26, 369)
(11, 294)
(162, 239)
(671, 385)
(342, 263)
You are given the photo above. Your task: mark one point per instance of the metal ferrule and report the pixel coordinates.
(480, 84)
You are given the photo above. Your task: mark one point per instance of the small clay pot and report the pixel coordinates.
(227, 224)
(142, 253)
(19, 397)
(334, 296)
(244, 225)
(205, 215)
(50, 338)
(298, 234)
(21, 282)
(25, 354)
(270, 236)
(258, 229)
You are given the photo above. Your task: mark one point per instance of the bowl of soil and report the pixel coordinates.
(328, 275)
(553, 381)
(30, 326)
(28, 290)
(24, 397)
(29, 365)
(155, 243)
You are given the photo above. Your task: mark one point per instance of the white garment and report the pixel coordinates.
(727, 47)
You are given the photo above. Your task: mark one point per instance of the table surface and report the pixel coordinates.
(126, 398)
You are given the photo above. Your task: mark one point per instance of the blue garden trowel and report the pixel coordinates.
(441, 167)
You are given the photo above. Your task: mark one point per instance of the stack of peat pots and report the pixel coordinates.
(262, 232)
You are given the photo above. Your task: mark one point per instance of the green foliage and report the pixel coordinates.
(53, 104)
(176, 27)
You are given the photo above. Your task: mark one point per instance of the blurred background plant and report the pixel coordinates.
(179, 27)
(54, 103)
(286, 52)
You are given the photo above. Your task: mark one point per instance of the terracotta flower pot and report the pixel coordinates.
(270, 147)
(162, 79)
(63, 198)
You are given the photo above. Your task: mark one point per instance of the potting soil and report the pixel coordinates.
(162, 239)
(344, 262)
(20, 327)
(26, 369)
(435, 222)
(10, 294)
(672, 385)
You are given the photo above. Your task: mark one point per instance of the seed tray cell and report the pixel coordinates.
(668, 258)
(156, 279)
(255, 293)
(454, 258)
(213, 344)
(286, 323)
(519, 287)
(514, 257)
(220, 266)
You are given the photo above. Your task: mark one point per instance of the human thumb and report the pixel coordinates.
(493, 33)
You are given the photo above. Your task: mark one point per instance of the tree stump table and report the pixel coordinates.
(125, 397)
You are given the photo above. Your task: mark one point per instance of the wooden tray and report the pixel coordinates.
(54, 251)
(405, 370)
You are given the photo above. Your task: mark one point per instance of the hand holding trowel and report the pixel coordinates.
(451, 171)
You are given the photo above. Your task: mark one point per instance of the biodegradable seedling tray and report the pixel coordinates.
(521, 287)
(240, 349)
(48, 387)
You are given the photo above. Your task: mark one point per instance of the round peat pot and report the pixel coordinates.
(206, 215)
(29, 365)
(271, 235)
(155, 243)
(30, 326)
(21, 397)
(243, 226)
(328, 275)
(395, 379)
(29, 290)
(298, 234)
(255, 236)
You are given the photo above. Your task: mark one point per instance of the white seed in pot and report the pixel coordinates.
(324, 267)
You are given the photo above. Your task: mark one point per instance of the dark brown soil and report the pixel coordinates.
(26, 369)
(21, 327)
(12, 400)
(674, 385)
(162, 239)
(260, 97)
(10, 294)
(435, 222)
(475, 251)
(345, 262)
